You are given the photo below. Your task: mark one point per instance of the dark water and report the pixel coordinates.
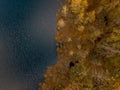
(27, 45)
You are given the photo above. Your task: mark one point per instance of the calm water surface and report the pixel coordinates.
(27, 45)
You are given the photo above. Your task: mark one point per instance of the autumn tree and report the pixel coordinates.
(88, 47)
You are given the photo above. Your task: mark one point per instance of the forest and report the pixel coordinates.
(88, 47)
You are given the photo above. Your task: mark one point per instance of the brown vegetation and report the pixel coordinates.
(88, 46)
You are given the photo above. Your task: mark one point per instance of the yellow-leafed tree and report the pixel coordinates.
(88, 47)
